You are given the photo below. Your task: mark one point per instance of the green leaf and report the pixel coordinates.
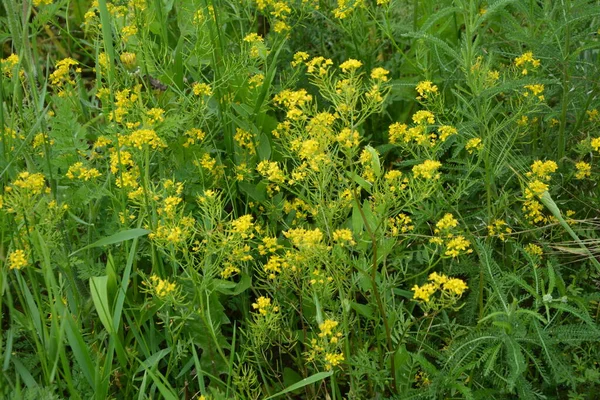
(116, 238)
(98, 288)
(319, 376)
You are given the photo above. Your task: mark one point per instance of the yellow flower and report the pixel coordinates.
(438, 279)
(17, 259)
(423, 116)
(543, 170)
(8, 64)
(593, 115)
(332, 360)
(445, 131)
(202, 89)
(424, 88)
(161, 287)
(143, 137)
(343, 236)
(380, 74)
(596, 144)
(38, 3)
(428, 169)
(263, 305)
(423, 292)
(534, 250)
(271, 170)
(253, 38)
(128, 59)
(584, 170)
(33, 183)
(536, 90)
(446, 223)
(127, 32)
(474, 144)
(526, 59)
(397, 132)
(327, 327)
(62, 73)
(299, 58)
(243, 226)
(458, 286)
(456, 245)
(350, 65)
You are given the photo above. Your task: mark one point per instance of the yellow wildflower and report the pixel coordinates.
(584, 170)
(428, 169)
(424, 88)
(17, 259)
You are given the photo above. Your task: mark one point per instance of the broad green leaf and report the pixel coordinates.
(116, 238)
(319, 376)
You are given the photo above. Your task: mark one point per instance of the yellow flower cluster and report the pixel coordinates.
(445, 131)
(304, 238)
(318, 66)
(257, 45)
(30, 183)
(400, 224)
(264, 306)
(142, 137)
(279, 10)
(542, 169)
(595, 143)
(124, 101)
(161, 287)
(243, 226)
(78, 171)
(425, 88)
(427, 170)
(394, 180)
(423, 116)
(271, 171)
(499, 229)
(380, 74)
(128, 59)
(525, 60)
(173, 232)
(293, 101)
(448, 286)
(346, 7)
(474, 144)
(8, 65)
(534, 250)
(193, 135)
(17, 259)
(584, 170)
(455, 244)
(62, 73)
(535, 90)
(202, 89)
(343, 236)
(350, 65)
(348, 138)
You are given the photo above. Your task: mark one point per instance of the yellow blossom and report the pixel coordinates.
(17, 259)
(264, 306)
(350, 65)
(455, 285)
(423, 116)
(428, 169)
(584, 170)
(424, 88)
(474, 144)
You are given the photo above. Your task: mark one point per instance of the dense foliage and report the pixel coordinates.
(316, 199)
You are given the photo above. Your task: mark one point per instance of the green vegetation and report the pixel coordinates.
(299, 199)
